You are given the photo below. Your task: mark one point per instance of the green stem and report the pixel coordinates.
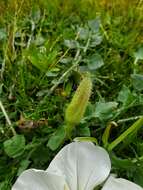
(131, 129)
(76, 61)
(129, 119)
(69, 129)
(7, 118)
(104, 32)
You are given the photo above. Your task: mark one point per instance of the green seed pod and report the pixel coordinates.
(76, 108)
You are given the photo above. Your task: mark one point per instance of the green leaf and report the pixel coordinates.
(96, 39)
(3, 34)
(83, 33)
(57, 138)
(4, 185)
(94, 25)
(35, 13)
(39, 41)
(137, 80)
(83, 131)
(15, 146)
(138, 176)
(95, 62)
(72, 44)
(23, 166)
(41, 156)
(117, 162)
(125, 96)
(40, 58)
(105, 110)
(66, 60)
(140, 147)
(139, 54)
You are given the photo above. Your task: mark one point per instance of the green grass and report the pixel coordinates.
(45, 49)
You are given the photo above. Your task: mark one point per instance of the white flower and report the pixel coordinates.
(78, 166)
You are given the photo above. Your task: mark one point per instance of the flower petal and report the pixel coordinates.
(120, 184)
(83, 165)
(39, 180)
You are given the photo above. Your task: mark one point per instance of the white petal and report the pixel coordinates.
(39, 180)
(83, 165)
(120, 184)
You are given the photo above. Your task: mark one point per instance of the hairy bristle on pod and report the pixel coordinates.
(77, 107)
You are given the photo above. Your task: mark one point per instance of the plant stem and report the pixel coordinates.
(77, 59)
(68, 130)
(131, 129)
(104, 32)
(128, 119)
(7, 118)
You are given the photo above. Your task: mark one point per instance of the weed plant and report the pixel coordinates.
(46, 47)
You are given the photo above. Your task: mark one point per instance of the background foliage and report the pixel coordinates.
(45, 49)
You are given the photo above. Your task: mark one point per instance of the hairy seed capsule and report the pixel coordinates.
(76, 108)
